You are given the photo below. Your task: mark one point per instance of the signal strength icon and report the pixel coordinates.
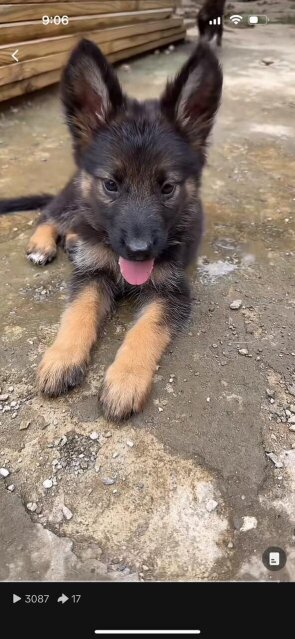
(215, 20)
(236, 19)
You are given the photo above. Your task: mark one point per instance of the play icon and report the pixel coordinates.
(15, 598)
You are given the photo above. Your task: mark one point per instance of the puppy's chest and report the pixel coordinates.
(89, 258)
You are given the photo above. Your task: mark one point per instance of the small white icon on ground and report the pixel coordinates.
(274, 558)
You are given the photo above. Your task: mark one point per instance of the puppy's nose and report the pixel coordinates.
(138, 249)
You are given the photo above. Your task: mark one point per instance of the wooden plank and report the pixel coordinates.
(47, 46)
(23, 70)
(37, 82)
(22, 31)
(29, 11)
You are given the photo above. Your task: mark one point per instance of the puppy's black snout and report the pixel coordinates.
(138, 249)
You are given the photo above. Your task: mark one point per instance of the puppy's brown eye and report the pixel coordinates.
(110, 186)
(168, 188)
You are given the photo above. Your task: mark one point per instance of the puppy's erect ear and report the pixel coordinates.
(91, 93)
(191, 100)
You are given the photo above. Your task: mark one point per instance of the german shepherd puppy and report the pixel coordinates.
(131, 217)
(211, 9)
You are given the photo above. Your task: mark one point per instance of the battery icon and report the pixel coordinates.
(258, 20)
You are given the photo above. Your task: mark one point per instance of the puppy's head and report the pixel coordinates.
(137, 161)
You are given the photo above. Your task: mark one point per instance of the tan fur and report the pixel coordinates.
(43, 240)
(85, 183)
(71, 240)
(128, 380)
(70, 353)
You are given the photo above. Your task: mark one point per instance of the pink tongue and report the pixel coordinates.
(136, 273)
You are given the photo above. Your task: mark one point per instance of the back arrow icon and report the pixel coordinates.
(13, 55)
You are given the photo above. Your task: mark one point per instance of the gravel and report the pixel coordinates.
(211, 505)
(67, 513)
(243, 351)
(32, 506)
(108, 481)
(275, 460)
(48, 483)
(4, 472)
(248, 524)
(94, 435)
(235, 305)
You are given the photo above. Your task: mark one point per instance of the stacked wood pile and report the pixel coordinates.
(43, 33)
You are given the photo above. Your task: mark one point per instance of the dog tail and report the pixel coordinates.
(28, 203)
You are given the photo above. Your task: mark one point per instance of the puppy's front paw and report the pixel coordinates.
(125, 390)
(42, 246)
(59, 371)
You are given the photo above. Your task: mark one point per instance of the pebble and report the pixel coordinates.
(32, 506)
(11, 389)
(230, 544)
(107, 481)
(267, 61)
(4, 472)
(291, 390)
(243, 351)
(211, 505)
(11, 488)
(94, 435)
(291, 420)
(63, 440)
(115, 455)
(160, 409)
(270, 393)
(48, 483)
(24, 425)
(126, 67)
(275, 460)
(171, 47)
(292, 429)
(235, 305)
(292, 408)
(108, 434)
(67, 513)
(248, 524)
(130, 443)
(3, 398)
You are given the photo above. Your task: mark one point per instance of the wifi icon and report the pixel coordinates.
(236, 19)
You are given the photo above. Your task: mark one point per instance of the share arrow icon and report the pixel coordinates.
(15, 598)
(63, 599)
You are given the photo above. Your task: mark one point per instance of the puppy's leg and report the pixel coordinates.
(64, 364)
(129, 379)
(42, 245)
(71, 240)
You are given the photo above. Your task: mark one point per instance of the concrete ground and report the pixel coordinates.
(201, 483)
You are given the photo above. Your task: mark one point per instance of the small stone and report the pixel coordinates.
(292, 429)
(267, 61)
(94, 435)
(235, 305)
(97, 469)
(211, 505)
(115, 455)
(11, 389)
(270, 393)
(171, 47)
(208, 399)
(108, 434)
(11, 488)
(63, 440)
(230, 544)
(24, 425)
(291, 390)
(291, 420)
(67, 513)
(126, 67)
(144, 567)
(160, 409)
(13, 404)
(4, 472)
(292, 408)
(108, 481)
(48, 483)
(248, 524)
(243, 351)
(275, 460)
(4, 398)
(32, 506)
(130, 443)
